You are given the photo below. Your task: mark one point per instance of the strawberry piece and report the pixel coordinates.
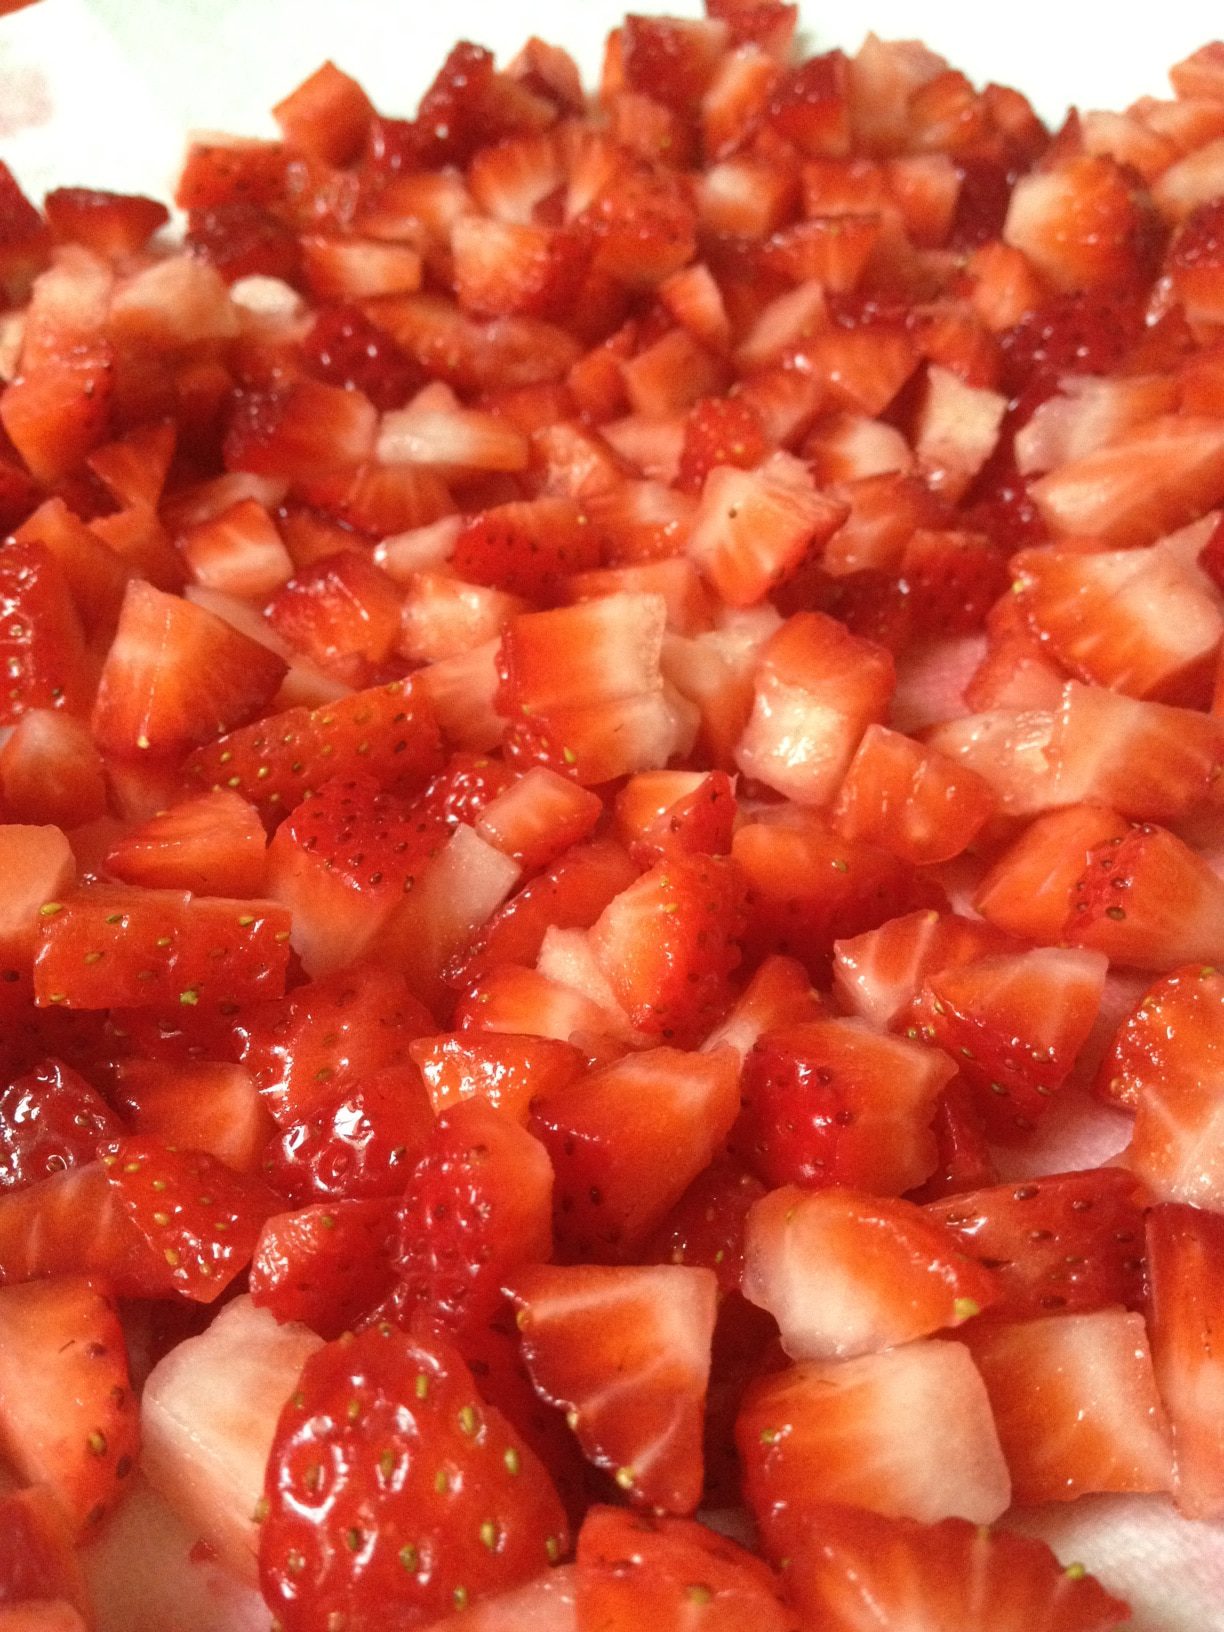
(107, 946)
(1172, 1040)
(668, 945)
(68, 1415)
(504, 268)
(754, 527)
(811, 106)
(342, 613)
(907, 1433)
(965, 1161)
(326, 1265)
(635, 1568)
(534, 819)
(1147, 899)
(526, 548)
(299, 430)
(1186, 1256)
(720, 431)
(852, 1565)
(243, 241)
(387, 732)
(359, 1145)
(1174, 1148)
(1028, 890)
(643, 228)
(462, 790)
(55, 1121)
(477, 1205)
(426, 1548)
(669, 59)
(328, 1037)
(626, 1142)
(831, 1103)
(877, 975)
(1014, 1024)
(176, 676)
(38, 1562)
(59, 411)
(951, 580)
(778, 995)
(508, 1073)
(817, 688)
(648, 1331)
(327, 116)
(213, 844)
(73, 1223)
(42, 652)
(912, 801)
(202, 1105)
(1084, 224)
(344, 348)
(1099, 1425)
(846, 1274)
(1069, 1243)
(676, 813)
(235, 171)
(193, 1214)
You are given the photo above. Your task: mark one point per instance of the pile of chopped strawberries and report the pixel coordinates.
(611, 769)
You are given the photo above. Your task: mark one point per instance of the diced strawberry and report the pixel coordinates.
(201, 1105)
(877, 975)
(51, 771)
(1084, 224)
(846, 1274)
(676, 813)
(213, 844)
(327, 115)
(38, 1562)
(443, 617)
(55, 1121)
(387, 733)
(231, 171)
(1027, 891)
(73, 1223)
(1014, 1023)
(1174, 1147)
(636, 1569)
(964, 1161)
(1068, 1243)
(1186, 1256)
(1147, 899)
(436, 431)
(643, 229)
(68, 1416)
(504, 268)
(627, 1140)
(328, 1037)
(951, 580)
(497, 1521)
(326, 1265)
(177, 676)
(299, 430)
(1169, 1042)
(829, 1102)
(646, 1330)
(43, 662)
(95, 575)
(668, 945)
(115, 225)
(537, 817)
(360, 269)
(1076, 1405)
(817, 690)
(344, 348)
(527, 1002)
(851, 1564)
(910, 800)
(477, 1205)
(244, 241)
(109, 946)
(907, 1433)
(526, 548)
(59, 411)
(507, 1072)
(342, 613)
(238, 552)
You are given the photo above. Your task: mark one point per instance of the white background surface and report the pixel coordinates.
(103, 92)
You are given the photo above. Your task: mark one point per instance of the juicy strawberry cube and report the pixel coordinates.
(1146, 898)
(213, 844)
(344, 348)
(202, 1105)
(238, 552)
(506, 268)
(342, 613)
(877, 975)
(1028, 890)
(526, 548)
(912, 801)
(1083, 224)
(1186, 1254)
(507, 1072)
(327, 116)
(59, 411)
(43, 661)
(55, 1121)
(1169, 1041)
(299, 430)
(676, 813)
(326, 1265)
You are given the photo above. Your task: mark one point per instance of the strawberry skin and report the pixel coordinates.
(392, 1489)
(324, 1266)
(53, 1120)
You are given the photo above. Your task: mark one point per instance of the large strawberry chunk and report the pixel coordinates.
(42, 657)
(325, 1266)
(391, 1487)
(1147, 899)
(53, 1120)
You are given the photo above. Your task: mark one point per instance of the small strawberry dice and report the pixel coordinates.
(43, 662)
(1186, 1254)
(912, 801)
(753, 528)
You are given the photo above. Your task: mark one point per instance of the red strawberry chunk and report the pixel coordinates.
(68, 1414)
(912, 801)
(326, 1265)
(299, 430)
(423, 1543)
(1169, 1042)
(535, 818)
(1028, 890)
(1146, 898)
(507, 1072)
(1071, 1242)
(244, 241)
(527, 548)
(205, 1105)
(626, 1353)
(177, 676)
(720, 431)
(214, 844)
(38, 1563)
(106, 946)
(342, 613)
(1186, 1255)
(54, 1121)
(877, 975)
(43, 663)
(327, 115)
(477, 1205)
(344, 348)
(111, 224)
(59, 411)
(754, 527)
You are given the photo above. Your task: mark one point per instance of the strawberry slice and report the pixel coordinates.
(1171, 1041)
(669, 943)
(626, 1353)
(71, 1224)
(42, 648)
(115, 225)
(204, 1105)
(1149, 900)
(54, 1120)
(68, 1415)
(344, 348)
(720, 431)
(342, 613)
(300, 430)
(877, 975)
(1027, 891)
(907, 1433)
(846, 1274)
(854, 1570)
(177, 676)
(636, 1569)
(108, 946)
(51, 773)
(628, 1139)
(1175, 1147)
(387, 1413)
(829, 1102)
(387, 732)
(211, 845)
(528, 548)
(59, 410)
(477, 1204)
(1075, 1403)
(912, 801)
(1071, 1242)
(1186, 1254)
(1014, 1024)
(537, 817)
(326, 1265)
